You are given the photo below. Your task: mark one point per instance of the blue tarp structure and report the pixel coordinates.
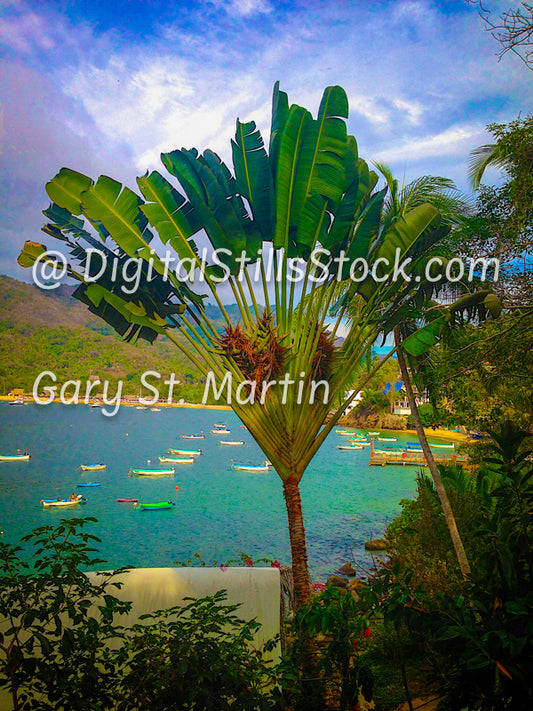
(397, 387)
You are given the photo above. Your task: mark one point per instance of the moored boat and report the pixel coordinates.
(92, 467)
(220, 431)
(157, 506)
(374, 434)
(155, 409)
(441, 446)
(62, 503)
(250, 468)
(176, 460)
(388, 439)
(151, 472)
(88, 483)
(193, 436)
(15, 457)
(186, 452)
(230, 443)
(122, 501)
(349, 446)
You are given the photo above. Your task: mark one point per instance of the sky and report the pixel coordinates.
(105, 87)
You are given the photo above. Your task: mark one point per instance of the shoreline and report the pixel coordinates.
(439, 433)
(125, 403)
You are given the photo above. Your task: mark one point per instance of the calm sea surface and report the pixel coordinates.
(219, 512)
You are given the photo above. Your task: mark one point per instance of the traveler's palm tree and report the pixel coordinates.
(310, 190)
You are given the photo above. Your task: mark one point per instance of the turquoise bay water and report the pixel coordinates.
(219, 513)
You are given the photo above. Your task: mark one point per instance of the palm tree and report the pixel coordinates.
(483, 157)
(453, 207)
(311, 191)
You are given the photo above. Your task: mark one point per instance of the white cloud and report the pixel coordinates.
(245, 8)
(420, 84)
(414, 11)
(457, 140)
(25, 33)
(413, 109)
(369, 107)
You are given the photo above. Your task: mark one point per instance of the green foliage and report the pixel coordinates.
(478, 634)
(338, 630)
(485, 373)
(199, 656)
(61, 649)
(502, 223)
(373, 402)
(53, 652)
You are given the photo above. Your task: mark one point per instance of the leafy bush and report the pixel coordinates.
(56, 627)
(53, 654)
(478, 634)
(199, 656)
(333, 670)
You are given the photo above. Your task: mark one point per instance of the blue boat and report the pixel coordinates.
(89, 483)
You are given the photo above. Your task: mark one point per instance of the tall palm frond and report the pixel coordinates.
(483, 157)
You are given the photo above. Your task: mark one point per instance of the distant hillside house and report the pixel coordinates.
(16, 392)
(402, 407)
(357, 399)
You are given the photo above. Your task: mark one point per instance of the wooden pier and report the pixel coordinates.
(406, 458)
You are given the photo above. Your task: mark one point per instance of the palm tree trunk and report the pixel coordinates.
(300, 573)
(437, 480)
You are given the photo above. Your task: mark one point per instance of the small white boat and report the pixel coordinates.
(194, 436)
(220, 432)
(176, 460)
(94, 404)
(186, 452)
(442, 446)
(349, 446)
(92, 467)
(230, 443)
(62, 503)
(151, 472)
(14, 457)
(250, 468)
(345, 433)
(18, 401)
(220, 426)
(360, 442)
(155, 409)
(140, 407)
(374, 434)
(388, 439)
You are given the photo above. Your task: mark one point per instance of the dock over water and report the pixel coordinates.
(407, 458)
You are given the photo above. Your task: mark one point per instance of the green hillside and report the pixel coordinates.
(48, 330)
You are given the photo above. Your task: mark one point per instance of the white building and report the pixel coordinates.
(357, 399)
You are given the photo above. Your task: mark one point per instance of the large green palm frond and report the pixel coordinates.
(483, 157)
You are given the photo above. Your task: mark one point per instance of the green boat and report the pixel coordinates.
(159, 506)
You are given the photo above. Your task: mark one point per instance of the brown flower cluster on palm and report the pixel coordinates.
(257, 350)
